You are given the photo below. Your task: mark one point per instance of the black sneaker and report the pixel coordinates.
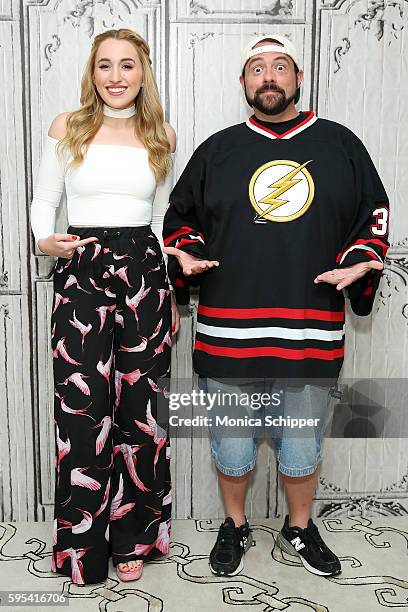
(307, 544)
(231, 545)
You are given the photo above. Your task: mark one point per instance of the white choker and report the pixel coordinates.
(119, 113)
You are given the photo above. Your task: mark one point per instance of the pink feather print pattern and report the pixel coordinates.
(163, 538)
(105, 425)
(162, 294)
(117, 511)
(77, 378)
(134, 302)
(80, 479)
(105, 368)
(128, 453)
(162, 543)
(66, 408)
(135, 349)
(104, 501)
(131, 378)
(76, 564)
(152, 429)
(59, 299)
(102, 310)
(85, 524)
(72, 280)
(81, 327)
(61, 350)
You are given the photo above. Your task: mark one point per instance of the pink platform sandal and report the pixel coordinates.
(133, 574)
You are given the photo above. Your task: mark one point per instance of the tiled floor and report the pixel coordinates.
(374, 555)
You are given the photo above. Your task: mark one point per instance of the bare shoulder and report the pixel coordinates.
(171, 135)
(58, 126)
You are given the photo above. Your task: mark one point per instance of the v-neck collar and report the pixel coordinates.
(253, 124)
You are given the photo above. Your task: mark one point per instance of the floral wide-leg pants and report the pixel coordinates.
(111, 341)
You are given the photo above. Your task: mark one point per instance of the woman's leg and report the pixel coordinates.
(82, 324)
(141, 488)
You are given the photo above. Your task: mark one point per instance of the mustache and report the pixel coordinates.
(269, 87)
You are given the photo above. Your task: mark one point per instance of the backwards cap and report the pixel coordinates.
(286, 47)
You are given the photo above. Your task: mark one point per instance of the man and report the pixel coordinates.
(277, 216)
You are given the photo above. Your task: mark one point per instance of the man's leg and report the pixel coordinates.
(299, 493)
(233, 450)
(299, 461)
(233, 491)
(234, 535)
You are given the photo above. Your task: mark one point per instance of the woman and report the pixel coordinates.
(112, 313)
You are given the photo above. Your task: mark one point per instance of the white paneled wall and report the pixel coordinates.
(355, 56)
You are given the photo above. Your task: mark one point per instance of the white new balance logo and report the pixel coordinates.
(297, 543)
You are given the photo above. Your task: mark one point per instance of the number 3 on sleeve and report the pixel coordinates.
(380, 227)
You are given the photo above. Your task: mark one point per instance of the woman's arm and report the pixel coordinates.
(48, 189)
(49, 183)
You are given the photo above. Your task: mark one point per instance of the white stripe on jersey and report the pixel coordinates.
(307, 333)
(362, 247)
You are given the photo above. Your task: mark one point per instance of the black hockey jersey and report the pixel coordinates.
(276, 210)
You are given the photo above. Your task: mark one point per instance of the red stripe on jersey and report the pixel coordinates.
(384, 247)
(274, 313)
(270, 351)
(184, 241)
(309, 115)
(185, 229)
(371, 255)
(180, 282)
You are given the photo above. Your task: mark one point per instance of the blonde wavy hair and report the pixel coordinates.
(83, 124)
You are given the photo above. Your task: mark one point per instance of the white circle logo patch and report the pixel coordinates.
(281, 191)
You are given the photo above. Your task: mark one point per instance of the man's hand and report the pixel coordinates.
(342, 277)
(190, 264)
(62, 245)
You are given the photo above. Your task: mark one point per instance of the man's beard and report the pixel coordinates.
(275, 106)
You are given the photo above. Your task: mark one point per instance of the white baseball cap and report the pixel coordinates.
(286, 47)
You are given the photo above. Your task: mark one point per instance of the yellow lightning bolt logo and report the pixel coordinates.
(280, 186)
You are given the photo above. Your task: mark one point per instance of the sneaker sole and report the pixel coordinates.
(234, 573)
(291, 550)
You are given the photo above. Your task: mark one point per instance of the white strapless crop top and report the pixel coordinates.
(114, 186)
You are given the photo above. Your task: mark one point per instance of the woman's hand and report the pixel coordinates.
(175, 315)
(62, 245)
(190, 264)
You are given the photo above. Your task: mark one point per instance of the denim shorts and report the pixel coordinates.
(236, 428)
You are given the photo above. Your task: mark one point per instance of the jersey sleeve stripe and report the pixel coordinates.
(185, 229)
(371, 253)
